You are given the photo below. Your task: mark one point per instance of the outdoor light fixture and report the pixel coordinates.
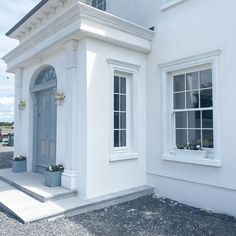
(59, 98)
(22, 105)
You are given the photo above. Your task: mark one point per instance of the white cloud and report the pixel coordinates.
(6, 101)
(11, 11)
(6, 108)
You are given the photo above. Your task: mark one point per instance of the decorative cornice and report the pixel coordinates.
(73, 14)
(37, 19)
(123, 64)
(53, 7)
(202, 55)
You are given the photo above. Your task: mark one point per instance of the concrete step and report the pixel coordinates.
(27, 209)
(33, 185)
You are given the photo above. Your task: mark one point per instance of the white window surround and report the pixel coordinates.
(166, 4)
(131, 70)
(204, 60)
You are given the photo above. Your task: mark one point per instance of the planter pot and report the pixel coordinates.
(53, 179)
(19, 166)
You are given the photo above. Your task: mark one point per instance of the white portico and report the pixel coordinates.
(77, 50)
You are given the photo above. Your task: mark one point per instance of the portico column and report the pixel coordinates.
(69, 177)
(17, 113)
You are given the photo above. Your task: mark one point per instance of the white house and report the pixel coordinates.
(139, 82)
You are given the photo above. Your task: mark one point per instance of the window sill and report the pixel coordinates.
(123, 156)
(198, 158)
(170, 4)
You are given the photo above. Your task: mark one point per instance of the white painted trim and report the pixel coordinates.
(123, 156)
(125, 65)
(69, 179)
(166, 5)
(190, 60)
(131, 70)
(167, 70)
(191, 160)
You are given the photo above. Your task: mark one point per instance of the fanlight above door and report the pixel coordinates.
(46, 75)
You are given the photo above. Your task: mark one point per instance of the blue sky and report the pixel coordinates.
(11, 11)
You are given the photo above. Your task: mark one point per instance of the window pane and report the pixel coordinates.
(116, 102)
(181, 137)
(116, 120)
(192, 99)
(116, 138)
(116, 84)
(94, 3)
(206, 78)
(207, 138)
(122, 138)
(194, 137)
(179, 101)
(207, 119)
(181, 119)
(123, 103)
(206, 98)
(179, 83)
(194, 119)
(123, 120)
(192, 81)
(123, 85)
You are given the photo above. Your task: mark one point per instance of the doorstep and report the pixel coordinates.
(33, 185)
(28, 209)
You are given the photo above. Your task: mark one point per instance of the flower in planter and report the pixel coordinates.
(19, 164)
(189, 147)
(18, 158)
(53, 175)
(53, 168)
(178, 146)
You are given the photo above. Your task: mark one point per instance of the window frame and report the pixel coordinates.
(104, 4)
(197, 69)
(130, 70)
(128, 110)
(187, 65)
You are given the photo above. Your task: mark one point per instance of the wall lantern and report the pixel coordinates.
(59, 98)
(22, 105)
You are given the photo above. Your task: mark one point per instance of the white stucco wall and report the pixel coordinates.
(187, 29)
(105, 176)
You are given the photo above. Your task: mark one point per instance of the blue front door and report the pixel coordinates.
(46, 129)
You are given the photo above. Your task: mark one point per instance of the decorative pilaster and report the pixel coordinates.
(17, 115)
(69, 177)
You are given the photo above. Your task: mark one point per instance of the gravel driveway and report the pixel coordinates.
(145, 216)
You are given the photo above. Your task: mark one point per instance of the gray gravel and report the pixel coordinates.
(145, 216)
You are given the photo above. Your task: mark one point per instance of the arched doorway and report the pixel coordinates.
(45, 119)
